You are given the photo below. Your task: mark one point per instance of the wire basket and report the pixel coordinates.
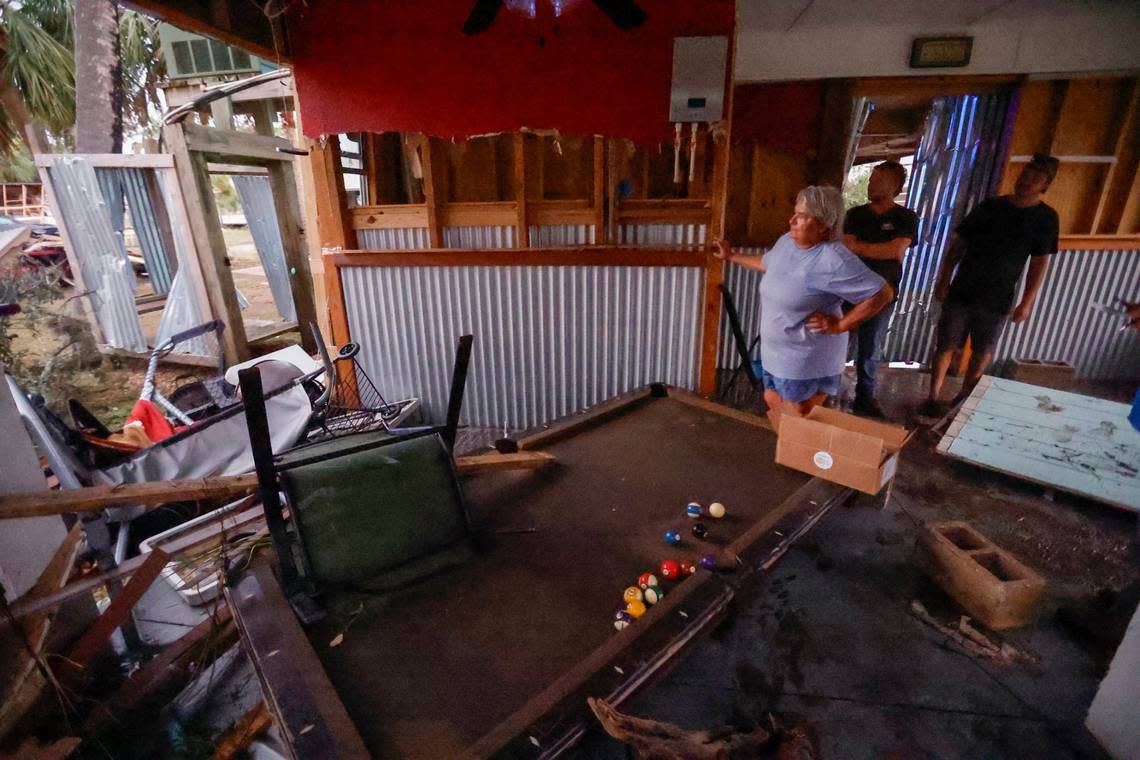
(356, 405)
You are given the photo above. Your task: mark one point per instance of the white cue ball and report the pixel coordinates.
(716, 509)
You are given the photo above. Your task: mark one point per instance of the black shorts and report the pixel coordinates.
(984, 326)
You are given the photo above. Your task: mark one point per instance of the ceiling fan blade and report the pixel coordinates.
(482, 14)
(627, 14)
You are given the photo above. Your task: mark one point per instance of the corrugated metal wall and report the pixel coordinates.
(549, 340)
(1066, 323)
(256, 197)
(744, 285)
(953, 171)
(478, 237)
(126, 191)
(83, 210)
(549, 235)
(396, 239)
(661, 234)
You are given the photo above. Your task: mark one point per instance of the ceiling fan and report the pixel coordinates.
(626, 14)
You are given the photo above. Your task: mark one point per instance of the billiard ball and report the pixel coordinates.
(653, 594)
(670, 570)
(636, 608)
(693, 509)
(716, 509)
(672, 537)
(688, 568)
(633, 593)
(708, 561)
(645, 580)
(699, 530)
(622, 619)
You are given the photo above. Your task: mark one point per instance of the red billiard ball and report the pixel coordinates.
(670, 570)
(688, 568)
(645, 580)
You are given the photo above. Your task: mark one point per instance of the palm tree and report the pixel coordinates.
(38, 73)
(99, 84)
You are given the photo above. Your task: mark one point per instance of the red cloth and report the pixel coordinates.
(156, 425)
(405, 65)
(778, 115)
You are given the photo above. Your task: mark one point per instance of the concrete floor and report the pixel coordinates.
(826, 638)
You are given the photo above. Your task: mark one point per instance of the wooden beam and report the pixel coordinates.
(480, 214)
(710, 324)
(283, 186)
(435, 189)
(598, 202)
(209, 244)
(236, 146)
(1099, 242)
(334, 229)
(95, 498)
(1114, 191)
(564, 212)
(95, 638)
(686, 397)
(166, 672)
(243, 732)
(836, 117)
(594, 415)
(518, 183)
(389, 216)
(583, 256)
(523, 460)
(722, 155)
(115, 160)
(189, 16)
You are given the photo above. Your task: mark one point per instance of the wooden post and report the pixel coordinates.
(838, 103)
(522, 233)
(599, 203)
(284, 188)
(209, 245)
(435, 189)
(714, 267)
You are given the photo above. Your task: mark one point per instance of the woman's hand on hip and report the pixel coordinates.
(825, 324)
(722, 249)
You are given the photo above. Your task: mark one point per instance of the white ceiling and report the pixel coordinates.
(771, 15)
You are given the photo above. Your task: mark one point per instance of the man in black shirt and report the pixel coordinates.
(990, 250)
(879, 233)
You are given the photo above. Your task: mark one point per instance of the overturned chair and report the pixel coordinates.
(371, 511)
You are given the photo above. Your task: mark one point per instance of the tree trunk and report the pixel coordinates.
(98, 78)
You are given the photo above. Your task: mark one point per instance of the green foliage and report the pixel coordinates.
(17, 166)
(39, 61)
(225, 194)
(855, 187)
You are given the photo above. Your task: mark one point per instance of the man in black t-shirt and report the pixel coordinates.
(879, 233)
(990, 249)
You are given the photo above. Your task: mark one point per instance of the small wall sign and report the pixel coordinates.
(940, 52)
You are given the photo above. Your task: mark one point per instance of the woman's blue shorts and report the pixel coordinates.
(801, 390)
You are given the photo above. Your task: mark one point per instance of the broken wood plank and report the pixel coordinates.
(523, 460)
(96, 637)
(159, 679)
(147, 494)
(24, 685)
(243, 732)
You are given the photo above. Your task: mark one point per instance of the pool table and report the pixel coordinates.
(495, 658)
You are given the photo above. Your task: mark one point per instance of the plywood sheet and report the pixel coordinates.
(1066, 441)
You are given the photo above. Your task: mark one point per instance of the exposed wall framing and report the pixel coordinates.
(1092, 125)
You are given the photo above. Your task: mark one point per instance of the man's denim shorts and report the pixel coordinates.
(801, 390)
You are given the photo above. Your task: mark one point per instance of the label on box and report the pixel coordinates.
(823, 460)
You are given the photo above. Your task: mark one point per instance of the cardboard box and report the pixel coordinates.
(845, 449)
(1048, 374)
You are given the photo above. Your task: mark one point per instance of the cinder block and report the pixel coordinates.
(989, 582)
(1049, 374)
